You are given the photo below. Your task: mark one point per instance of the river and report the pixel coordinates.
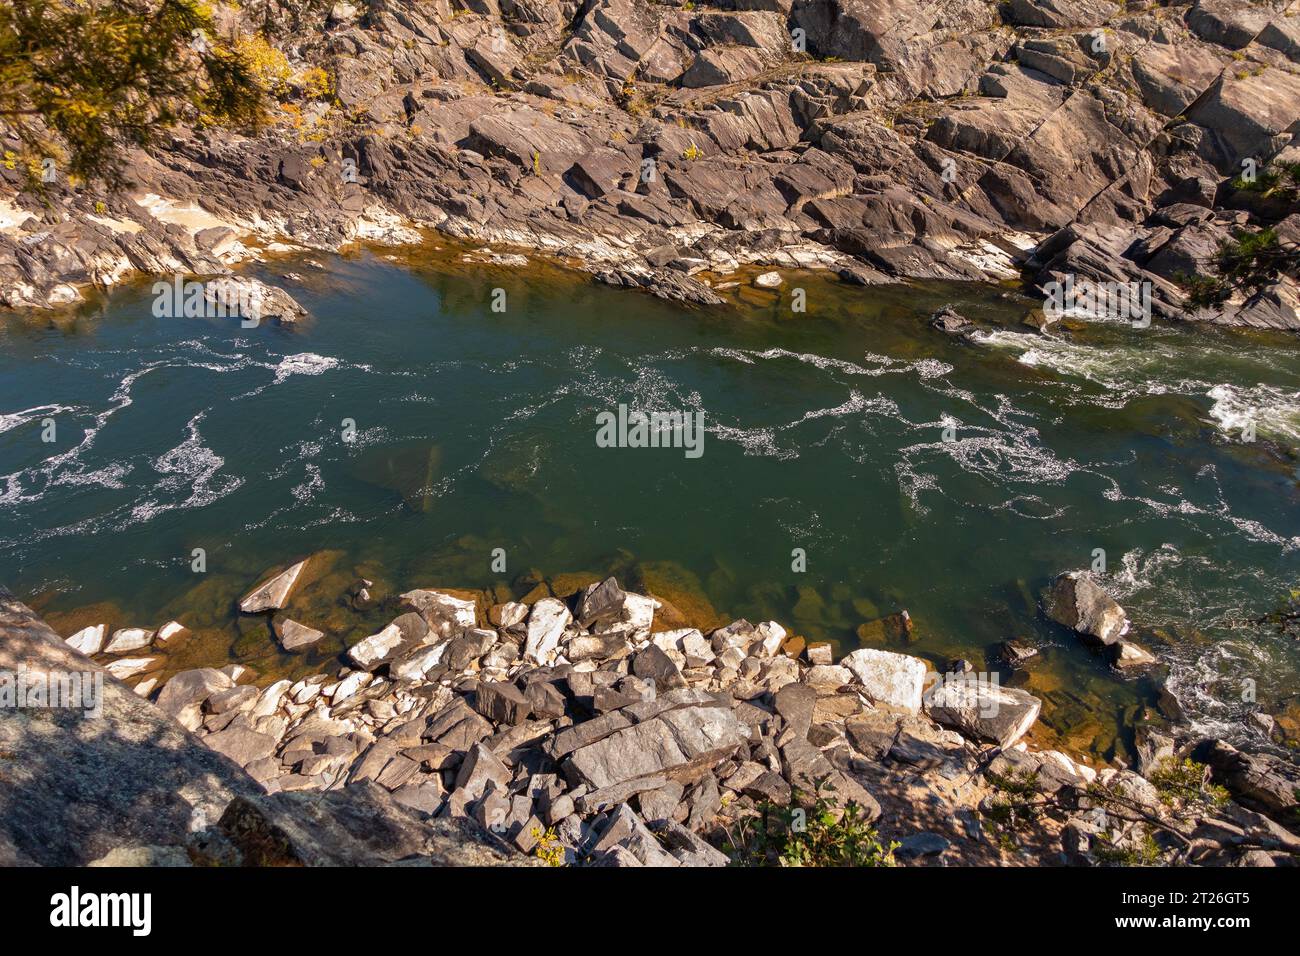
(828, 493)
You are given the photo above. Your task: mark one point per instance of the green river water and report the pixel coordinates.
(824, 431)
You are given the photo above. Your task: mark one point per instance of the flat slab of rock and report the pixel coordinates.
(272, 595)
(406, 633)
(294, 636)
(982, 710)
(546, 624)
(129, 639)
(668, 741)
(889, 678)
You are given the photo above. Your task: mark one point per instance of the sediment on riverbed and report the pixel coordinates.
(573, 731)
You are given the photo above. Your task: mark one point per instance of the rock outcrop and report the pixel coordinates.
(653, 749)
(666, 146)
(74, 787)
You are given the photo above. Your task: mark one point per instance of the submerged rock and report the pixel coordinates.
(294, 636)
(272, 595)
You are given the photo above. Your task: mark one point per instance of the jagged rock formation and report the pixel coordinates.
(653, 142)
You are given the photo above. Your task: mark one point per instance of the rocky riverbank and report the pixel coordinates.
(664, 146)
(580, 731)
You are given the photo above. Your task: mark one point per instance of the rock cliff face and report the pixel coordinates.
(654, 142)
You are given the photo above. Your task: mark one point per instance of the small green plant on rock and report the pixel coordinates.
(821, 836)
(1186, 785)
(1143, 852)
(1015, 804)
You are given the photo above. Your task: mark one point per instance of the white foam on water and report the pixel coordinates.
(313, 483)
(763, 441)
(15, 419)
(1248, 527)
(1151, 368)
(882, 364)
(1274, 412)
(192, 465)
(303, 363)
(110, 476)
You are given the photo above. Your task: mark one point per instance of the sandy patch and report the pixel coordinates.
(11, 216)
(186, 215)
(117, 225)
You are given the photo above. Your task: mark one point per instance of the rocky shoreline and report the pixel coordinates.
(664, 147)
(578, 731)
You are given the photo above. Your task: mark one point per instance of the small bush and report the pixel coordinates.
(822, 836)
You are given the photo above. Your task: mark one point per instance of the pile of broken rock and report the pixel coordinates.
(635, 747)
(575, 726)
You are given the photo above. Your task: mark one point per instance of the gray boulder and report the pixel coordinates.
(889, 678)
(982, 710)
(699, 736)
(358, 826)
(1076, 600)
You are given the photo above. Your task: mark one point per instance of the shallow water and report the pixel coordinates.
(824, 432)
